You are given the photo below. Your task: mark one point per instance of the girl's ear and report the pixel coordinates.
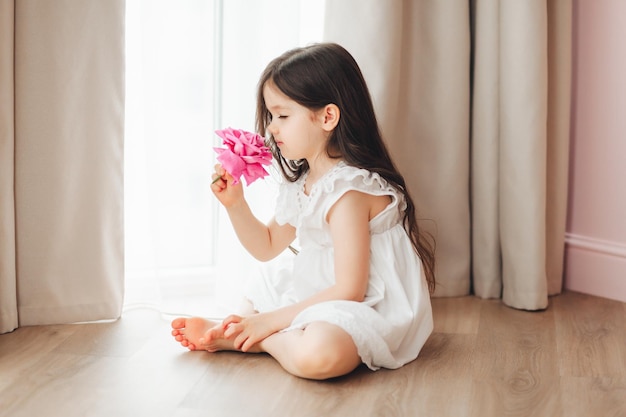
(331, 116)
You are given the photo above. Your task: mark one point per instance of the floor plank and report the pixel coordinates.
(515, 364)
(591, 336)
(594, 396)
(484, 359)
(23, 350)
(448, 320)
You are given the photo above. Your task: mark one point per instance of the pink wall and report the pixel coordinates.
(596, 228)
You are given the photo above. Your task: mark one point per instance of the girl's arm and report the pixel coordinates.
(264, 242)
(349, 225)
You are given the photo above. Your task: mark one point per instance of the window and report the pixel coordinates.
(192, 67)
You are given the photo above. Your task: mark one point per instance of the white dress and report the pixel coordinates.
(393, 322)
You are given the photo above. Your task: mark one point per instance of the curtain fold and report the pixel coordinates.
(67, 159)
(560, 18)
(473, 100)
(8, 287)
(518, 107)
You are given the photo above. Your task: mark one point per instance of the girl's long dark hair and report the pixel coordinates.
(322, 74)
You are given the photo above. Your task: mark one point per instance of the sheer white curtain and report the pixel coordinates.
(192, 67)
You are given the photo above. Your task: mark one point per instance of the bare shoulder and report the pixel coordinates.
(360, 204)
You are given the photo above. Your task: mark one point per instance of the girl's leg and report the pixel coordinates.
(320, 351)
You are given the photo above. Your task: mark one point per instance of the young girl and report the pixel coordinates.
(358, 290)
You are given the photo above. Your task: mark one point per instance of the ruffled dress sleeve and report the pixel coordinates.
(344, 178)
(288, 208)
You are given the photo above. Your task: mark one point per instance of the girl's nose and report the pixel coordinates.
(272, 128)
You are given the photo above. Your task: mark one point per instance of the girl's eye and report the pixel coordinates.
(280, 116)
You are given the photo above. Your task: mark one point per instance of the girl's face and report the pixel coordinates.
(297, 130)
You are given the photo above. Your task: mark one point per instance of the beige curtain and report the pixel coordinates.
(61, 144)
(473, 99)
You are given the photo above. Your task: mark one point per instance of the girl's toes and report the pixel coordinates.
(178, 323)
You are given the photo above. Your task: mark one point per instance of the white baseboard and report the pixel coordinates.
(595, 266)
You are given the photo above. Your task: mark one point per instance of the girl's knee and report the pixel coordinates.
(326, 357)
(316, 363)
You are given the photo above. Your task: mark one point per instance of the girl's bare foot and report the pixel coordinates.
(197, 333)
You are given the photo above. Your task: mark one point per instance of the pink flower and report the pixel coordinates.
(245, 154)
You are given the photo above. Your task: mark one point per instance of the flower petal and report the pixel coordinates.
(244, 154)
(231, 163)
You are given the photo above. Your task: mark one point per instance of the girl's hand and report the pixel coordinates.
(223, 188)
(248, 331)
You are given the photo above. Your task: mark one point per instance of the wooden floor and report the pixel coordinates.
(483, 359)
